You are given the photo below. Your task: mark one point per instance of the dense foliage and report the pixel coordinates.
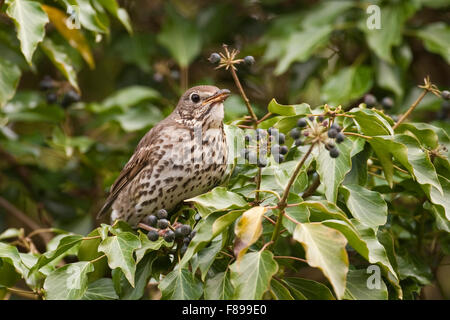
(318, 217)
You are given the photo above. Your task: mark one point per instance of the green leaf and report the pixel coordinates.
(117, 12)
(140, 117)
(371, 123)
(181, 37)
(301, 45)
(127, 97)
(143, 274)
(60, 58)
(248, 230)
(348, 84)
(147, 245)
(312, 290)
(119, 249)
(11, 233)
(442, 199)
(365, 205)
(219, 287)
(9, 79)
(90, 18)
(66, 244)
(412, 266)
(88, 250)
(101, 289)
(180, 284)
(325, 249)
(389, 78)
(289, 110)
(205, 257)
(332, 171)
(30, 21)
(280, 292)
(392, 18)
(8, 274)
(252, 274)
(218, 199)
(69, 282)
(358, 289)
(436, 38)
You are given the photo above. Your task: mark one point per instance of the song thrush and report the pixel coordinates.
(181, 157)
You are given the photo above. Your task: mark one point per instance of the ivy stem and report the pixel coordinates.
(289, 257)
(244, 96)
(283, 202)
(428, 86)
(356, 135)
(99, 258)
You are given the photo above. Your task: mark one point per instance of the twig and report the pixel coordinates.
(356, 135)
(282, 203)
(97, 259)
(23, 293)
(23, 218)
(265, 117)
(428, 86)
(289, 257)
(312, 188)
(244, 96)
(266, 245)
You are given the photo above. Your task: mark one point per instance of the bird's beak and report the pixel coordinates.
(219, 96)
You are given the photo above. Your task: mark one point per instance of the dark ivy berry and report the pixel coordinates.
(248, 138)
(162, 214)
(445, 105)
(387, 103)
(301, 123)
(370, 100)
(249, 60)
(334, 153)
(186, 240)
(279, 158)
(162, 223)
(183, 249)
(214, 57)
(193, 233)
(340, 137)
(281, 138)
(325, 123)
(46, 84)
(275, 149)
(445, 95)
(320, 118)
(298, 142)
(260, 133)
(150, 220)
(153, 235)
(311, 118)
(262, 162)
(169, 236)
(332, 133)
(329, 146)
(185, 230)
(284, 150)
(336, 126)
(69, 98)
(178, 233)
(295, 133)
(51, 97)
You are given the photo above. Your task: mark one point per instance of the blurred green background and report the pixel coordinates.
(57, 159)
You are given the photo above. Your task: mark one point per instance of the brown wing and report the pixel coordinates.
(137, 162)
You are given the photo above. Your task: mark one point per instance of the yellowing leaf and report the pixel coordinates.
(74, 36)
(325, 249)
(248, 230)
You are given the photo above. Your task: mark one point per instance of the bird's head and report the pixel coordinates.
(202, 103)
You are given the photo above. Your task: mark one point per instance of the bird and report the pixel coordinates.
(182, 156)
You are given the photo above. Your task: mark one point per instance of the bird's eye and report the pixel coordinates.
(195, 97)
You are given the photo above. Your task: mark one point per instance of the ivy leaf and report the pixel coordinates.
(119, 13)
(181, 37)
(289, 110)
(436, 38)
(332, 171)
(147, 245)
(252, 274)
(301, 45)
(279, 290)
(311, 289)
(66, 244)
(442, 199)
(127, 97)
(248, 230)
(9, 79)
(119, 249)
(69, 282)
(88, 250)
(73, 36)
(205, 257)
(60, 58)
(218, 199)
(219, 287)
(371, 123)
(325, 249)
(358, 289)
(10, 254)
(389, 77)
(30, 21)
(180, 284)
(101, 289)
(348, 84)
(365, 205)
(392, 18)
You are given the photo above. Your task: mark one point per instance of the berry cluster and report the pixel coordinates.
(266, 140)
(371, 101)
(58, 92)
(215, 58)
(160, 226)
